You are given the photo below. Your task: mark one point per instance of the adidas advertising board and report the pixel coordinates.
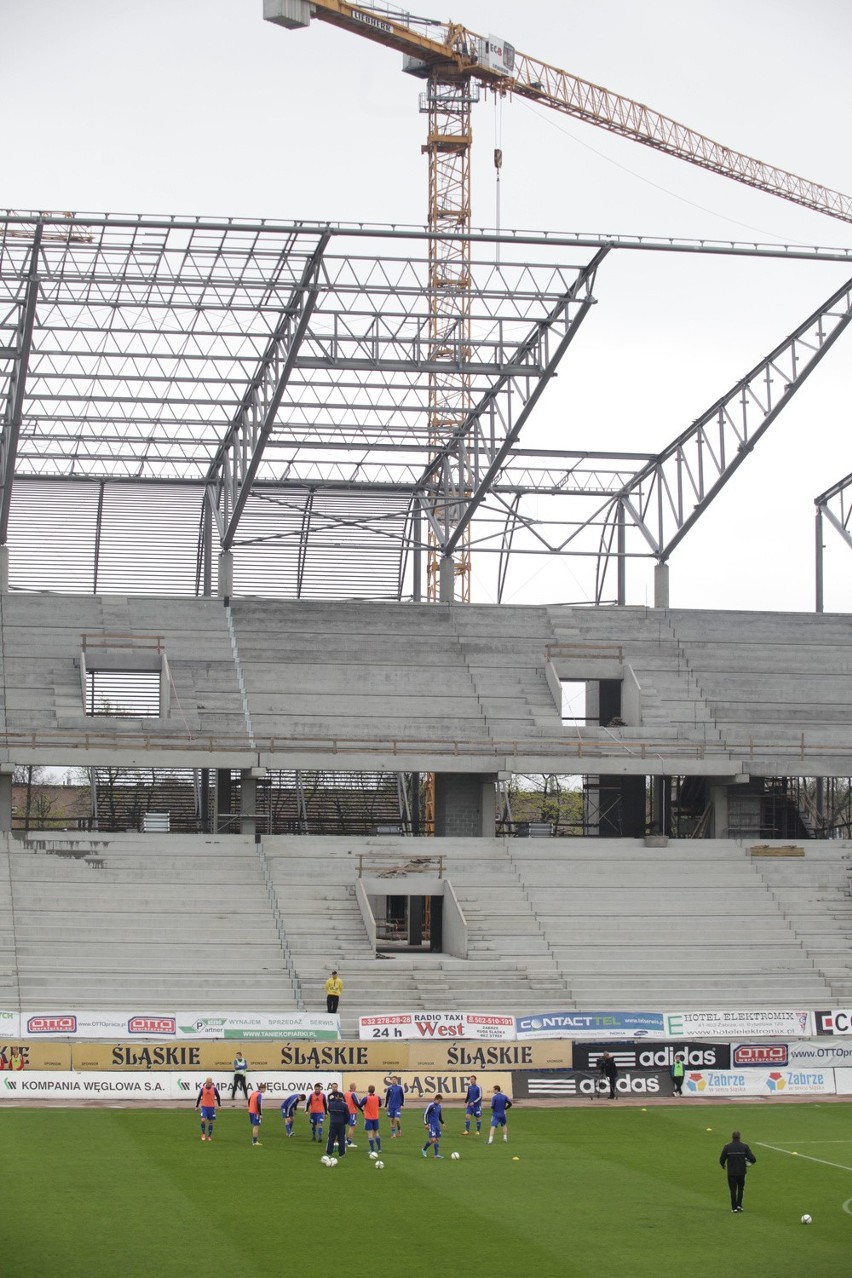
(653, 1055)
(577, 1084)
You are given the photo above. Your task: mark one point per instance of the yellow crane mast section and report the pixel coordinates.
(461, 53)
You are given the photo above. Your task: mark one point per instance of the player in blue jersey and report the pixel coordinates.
(433, 1120)
(288, 1111)
(473, 1106)
(208, 1101)
(500, 1104)
(394, 1101)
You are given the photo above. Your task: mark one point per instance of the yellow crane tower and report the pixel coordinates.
(454, 62)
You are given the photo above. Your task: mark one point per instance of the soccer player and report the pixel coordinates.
(433, 1121)
(473, 1106)
(288, 1111)
(500, 1103)
(255, 1112)
(353, 1106)
(394, 1101)
(317, 1110)
(736, 1157)
(209, 1100)
(370, 1106)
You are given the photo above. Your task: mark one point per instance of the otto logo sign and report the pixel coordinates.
(770, 1054)
(152, 1025)
(52, 1025)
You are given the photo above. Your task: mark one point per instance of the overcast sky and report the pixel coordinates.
(184, 106)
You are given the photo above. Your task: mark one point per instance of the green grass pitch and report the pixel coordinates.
(576, 1192)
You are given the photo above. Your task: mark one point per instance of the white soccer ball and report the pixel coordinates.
(332, 1162)
(379, 1164)
(455, 1155)
(373, 1154)
(325, 1160)
(806, 1220)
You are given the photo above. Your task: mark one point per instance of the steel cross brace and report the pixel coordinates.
(842, 521)
(17, 385)
(668, 495)
(579, 292)
(238, 457)
(839, 492)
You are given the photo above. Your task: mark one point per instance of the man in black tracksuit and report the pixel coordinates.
(609, 1071)
(736, 1155)
(338, 1121)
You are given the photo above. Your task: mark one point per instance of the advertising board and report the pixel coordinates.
(599, 1025)
(759, 1082)
(653, 1055)
(772, 1023)
(437, 1025)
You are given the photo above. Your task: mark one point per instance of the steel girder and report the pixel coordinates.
(16, 383)
(569, 312)
(151, 337)
(667, 496)
(238, 458)
(840, 518)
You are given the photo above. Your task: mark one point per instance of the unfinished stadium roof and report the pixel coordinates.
(219, 383)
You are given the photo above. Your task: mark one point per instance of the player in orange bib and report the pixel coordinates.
(317, 1108)
(255, 1112)
(208, 1101)
(351, 1099)
(369, 1106)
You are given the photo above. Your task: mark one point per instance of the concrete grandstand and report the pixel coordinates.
(226, 703)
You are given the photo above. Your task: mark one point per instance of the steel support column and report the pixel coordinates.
(14, 410)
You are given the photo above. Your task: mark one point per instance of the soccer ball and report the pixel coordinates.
(806, 1220)
(332, 1162)
(379, 1164)
(373, 1154)
(325, 1160)
(455, 1155)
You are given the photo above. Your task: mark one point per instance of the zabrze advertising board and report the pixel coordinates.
(758, 1082)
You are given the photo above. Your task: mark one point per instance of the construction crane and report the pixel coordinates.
(455, 63)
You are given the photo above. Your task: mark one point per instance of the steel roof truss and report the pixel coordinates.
(239, 456)
(669, 494)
